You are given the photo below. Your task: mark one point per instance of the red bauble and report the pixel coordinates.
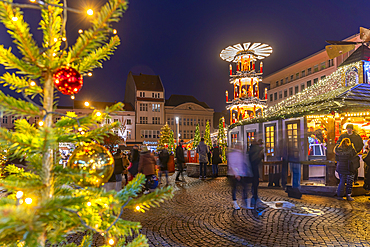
(68, 81)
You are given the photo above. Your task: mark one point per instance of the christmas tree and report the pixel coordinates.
(165, 137)
(47, 202)
(196, 137)
(207, 135)
(171, 145)
(221, 139)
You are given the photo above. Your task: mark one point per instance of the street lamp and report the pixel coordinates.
(177, 127)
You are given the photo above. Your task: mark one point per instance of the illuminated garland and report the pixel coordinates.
(324, 86)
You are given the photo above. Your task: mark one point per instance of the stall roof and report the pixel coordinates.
(340, 99)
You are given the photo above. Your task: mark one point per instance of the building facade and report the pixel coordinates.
(189, 112)
(302, 74)
(146, 94)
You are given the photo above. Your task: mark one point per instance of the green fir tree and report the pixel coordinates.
(165, 137)
(207, 135)
(171, 145)
(221, 139)
(44, 204)
(196, 137)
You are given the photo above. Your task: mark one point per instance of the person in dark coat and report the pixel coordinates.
(135, 158)
(146, 166)
(357, 142)
(180, 160)
(164, 157)
(344, 154)
(216, 159)
(256, 156)
(366, 185)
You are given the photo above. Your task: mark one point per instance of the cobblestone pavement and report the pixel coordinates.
(201, 214)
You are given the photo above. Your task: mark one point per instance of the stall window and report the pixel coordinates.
(292, 134)
(270, 140)
(250, 138)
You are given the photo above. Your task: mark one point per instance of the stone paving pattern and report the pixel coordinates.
(201, 214)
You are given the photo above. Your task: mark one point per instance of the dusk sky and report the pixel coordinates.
(181, 41)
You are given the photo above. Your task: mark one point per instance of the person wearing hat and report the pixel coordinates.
(180, 160)
(356, 140)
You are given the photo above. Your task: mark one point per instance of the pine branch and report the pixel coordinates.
(19, 84)
(92, 60)
(139, 241)
(20, 31)
(92, 38)
(10, 61)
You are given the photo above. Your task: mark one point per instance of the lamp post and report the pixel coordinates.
(177, 127)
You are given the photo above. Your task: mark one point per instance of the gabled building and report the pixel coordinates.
(189, 112)
(146, 94)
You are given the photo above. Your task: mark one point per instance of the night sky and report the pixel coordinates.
(181, 40)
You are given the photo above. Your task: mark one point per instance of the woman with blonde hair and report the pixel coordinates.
(345, 154)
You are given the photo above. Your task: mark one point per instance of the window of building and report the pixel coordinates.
(302, 87)
(309, 71)
(303, 73)
(275, 96)
(128, 122)
(202, 122)
(188, 122)
(315, 80)
(330, 62)
(142, 133)
(146, 134)
(322, 77)
(286, 80)
(5, 119)
(13, 119)
(297, 76)
(285, 93)
(271, 97)
(277, 83)
(281, 82)
(156, 120)
(291, 78)
(290, 91)
(316, 68)
(141, 94)
(149, 133)
(322, 65)
(156, 107)
(179, 121)
(153, 95)
(296, 89)
(309, 83)
(172, 121)
(143, 107)
(270, 140)
(280, 95)
(129, 134)
(143, 120)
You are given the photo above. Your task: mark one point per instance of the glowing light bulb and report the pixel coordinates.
(41, 123)
(89, 74)
(90, 12)
(89, 204)
(98, 114)
(87, 103)
(80, 31)
(32, 1)
(14, 18)
(72, 97)
(55, 39)
(28, 200)
(111, 241)
(80, 129)
(32, 83)
(82, 132)
(19, 194)
(114, 31)
(137, 208)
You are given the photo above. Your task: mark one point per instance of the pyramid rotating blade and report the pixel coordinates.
(364, 34)
(334, 51)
